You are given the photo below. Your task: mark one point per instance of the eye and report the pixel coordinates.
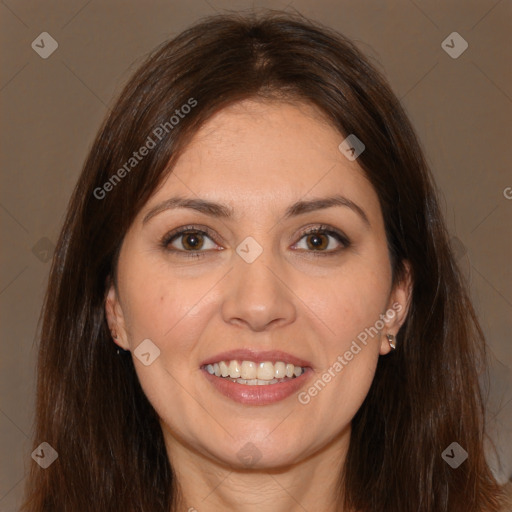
(323, 239)
(193, 241)
(189, 239)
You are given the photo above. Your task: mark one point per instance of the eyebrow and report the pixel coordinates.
(225, 212)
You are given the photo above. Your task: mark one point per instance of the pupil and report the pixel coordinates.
(316, 241)
(192, 241)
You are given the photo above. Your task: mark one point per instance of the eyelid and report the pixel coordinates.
(205, 230)
(325, 229)
(166, 239)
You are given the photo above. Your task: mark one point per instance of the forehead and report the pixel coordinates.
(260, 154)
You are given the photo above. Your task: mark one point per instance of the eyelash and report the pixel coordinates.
(203, 230)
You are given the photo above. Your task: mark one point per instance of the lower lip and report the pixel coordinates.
(259, 394)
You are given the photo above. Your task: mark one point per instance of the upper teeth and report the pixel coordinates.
(251, 370)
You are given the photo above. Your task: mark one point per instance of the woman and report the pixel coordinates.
(253, 304)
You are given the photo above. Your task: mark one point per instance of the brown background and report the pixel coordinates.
(51, 109)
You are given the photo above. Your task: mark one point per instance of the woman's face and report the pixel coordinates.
(256, 287)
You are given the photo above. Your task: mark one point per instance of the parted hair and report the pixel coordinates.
(424, 396)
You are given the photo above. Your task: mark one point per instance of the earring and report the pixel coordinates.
(119, 350)
(391, 341)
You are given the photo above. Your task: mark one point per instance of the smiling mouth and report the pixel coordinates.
(251, 373)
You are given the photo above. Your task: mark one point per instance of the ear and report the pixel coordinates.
(115, 317)
(398, 307)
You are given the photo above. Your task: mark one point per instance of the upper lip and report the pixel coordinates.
(258, 356)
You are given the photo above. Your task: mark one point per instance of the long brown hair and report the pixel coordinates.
(425, 395)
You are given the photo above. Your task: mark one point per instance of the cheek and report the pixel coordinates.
(166, 307)
(171, 312)
(344, 394)
(351, 301)
(349, 305)
(350, 308)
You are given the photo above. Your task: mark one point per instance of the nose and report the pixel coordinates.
(257, 296)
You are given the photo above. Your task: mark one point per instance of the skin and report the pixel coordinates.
(258, 158)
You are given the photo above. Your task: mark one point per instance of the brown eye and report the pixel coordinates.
(317, 241)
(189, 241)
(192, 240)
(323, 240)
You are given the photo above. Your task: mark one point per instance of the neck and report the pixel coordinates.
(205, 484)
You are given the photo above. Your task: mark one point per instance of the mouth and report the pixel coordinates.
(252, 373)
(256, 378)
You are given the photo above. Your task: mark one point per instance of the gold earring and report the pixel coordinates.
(391, 341)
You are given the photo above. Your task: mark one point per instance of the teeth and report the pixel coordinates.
(255, 382)
(248, 370)
(234, 369)
(266, 371)
(252, 374)
(224, 370)
(280, 370)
